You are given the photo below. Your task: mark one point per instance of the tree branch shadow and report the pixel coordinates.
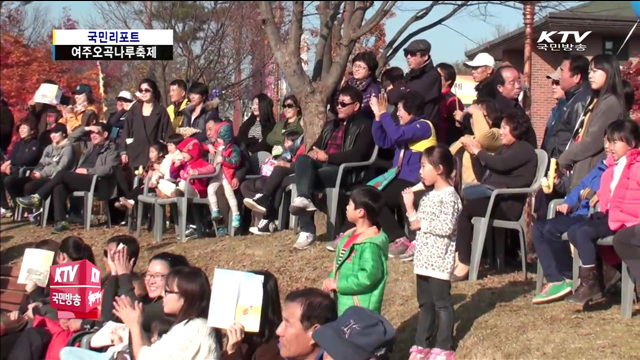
(483, 302)
(15, 252)
(471, 308)
(4, 239)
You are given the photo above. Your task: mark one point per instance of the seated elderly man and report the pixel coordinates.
(99, 157)
(346, 139)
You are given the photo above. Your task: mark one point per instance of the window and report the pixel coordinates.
(612, 45)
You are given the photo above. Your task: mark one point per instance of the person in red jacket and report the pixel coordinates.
(191, 163)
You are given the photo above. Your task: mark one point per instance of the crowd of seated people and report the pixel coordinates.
(187, 150)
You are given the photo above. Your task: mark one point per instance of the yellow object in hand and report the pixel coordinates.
(547, 184)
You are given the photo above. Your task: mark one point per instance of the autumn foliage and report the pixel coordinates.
(23, 67)
(631, 72)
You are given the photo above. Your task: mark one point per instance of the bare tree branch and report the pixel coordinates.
(271, 28)
(384, 10)
(422, 29)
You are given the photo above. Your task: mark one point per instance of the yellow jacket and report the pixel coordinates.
(177, 117)
(75, 120)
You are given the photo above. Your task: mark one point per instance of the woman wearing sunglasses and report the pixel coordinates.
(147, 123)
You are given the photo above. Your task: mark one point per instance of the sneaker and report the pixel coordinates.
(190, 234)
(30, 202)
(334, 244)
(258, 204)
(222, 231)
(418, 353)
(300, 205)
(216, 215)
(439, 354)
(399, 247)
(236, 221)
(265, 227)
(36, 218)
(124, 204)
(553, 291)
(60, 227)
(408, 255)
(304, 240)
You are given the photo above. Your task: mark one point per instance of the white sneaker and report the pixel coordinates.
(300, 205)
(304, 240)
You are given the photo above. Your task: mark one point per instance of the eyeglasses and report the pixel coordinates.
(360, 67)
(145, 90)
(555, 82)
(154, 276)
(289, 106)
(167, 291)
(344, 104)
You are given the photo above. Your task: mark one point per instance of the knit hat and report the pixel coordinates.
(358, 334)
(225, 133)
(192, 147)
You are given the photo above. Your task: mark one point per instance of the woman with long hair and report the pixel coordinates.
(252, 135)
(606, 105)
(148, 122)
(187, 294)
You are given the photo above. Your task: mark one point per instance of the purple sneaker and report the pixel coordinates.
(399, 247)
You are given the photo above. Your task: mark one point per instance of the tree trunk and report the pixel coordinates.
(314, 112)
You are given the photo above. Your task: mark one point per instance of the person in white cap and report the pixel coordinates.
(123, 104)
(482, 67)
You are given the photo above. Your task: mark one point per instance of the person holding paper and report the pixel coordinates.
(262, 345)
(360, 272)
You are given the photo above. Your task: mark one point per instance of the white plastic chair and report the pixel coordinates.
(481, 224)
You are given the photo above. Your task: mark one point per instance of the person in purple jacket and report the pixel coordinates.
(409, 137)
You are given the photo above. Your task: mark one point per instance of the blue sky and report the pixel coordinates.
(463, 32)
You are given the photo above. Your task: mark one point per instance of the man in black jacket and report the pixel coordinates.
(574, 81)
(423, 78)
(344, 140)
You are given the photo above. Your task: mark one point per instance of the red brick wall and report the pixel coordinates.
(543, 63)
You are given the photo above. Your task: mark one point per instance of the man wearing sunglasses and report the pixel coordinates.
(556, 111)
(423, 78)
(346, 139)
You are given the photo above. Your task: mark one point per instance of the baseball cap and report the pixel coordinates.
(125, 95)
(82, 89)
(59, 128)
(482, 59)
(358, 334)
(420, 45)
(554, 75)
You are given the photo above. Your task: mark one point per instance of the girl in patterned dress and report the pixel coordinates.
(434, 258)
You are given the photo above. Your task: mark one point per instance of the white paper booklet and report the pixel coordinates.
(236, 296)
(35, 266)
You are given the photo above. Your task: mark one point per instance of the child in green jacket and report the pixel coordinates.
(360, 272)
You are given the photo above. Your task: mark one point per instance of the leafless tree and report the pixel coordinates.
(342, 24)
(32, 23)
(210, 37)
